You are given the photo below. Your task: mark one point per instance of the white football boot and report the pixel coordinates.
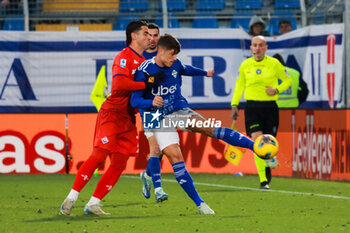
(94, 209)
(67, 206)
(203, 208)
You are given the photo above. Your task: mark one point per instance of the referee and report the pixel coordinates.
(258, 79)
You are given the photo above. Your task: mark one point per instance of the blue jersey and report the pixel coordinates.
(169, 89)
(148, 55)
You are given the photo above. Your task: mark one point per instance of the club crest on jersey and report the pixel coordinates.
(174, 73)
(258, 71)
(122, 63)
(104, 140)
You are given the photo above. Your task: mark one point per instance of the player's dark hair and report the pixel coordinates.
(133, 26)
(153, 26)
(169, 42)
(279, 58)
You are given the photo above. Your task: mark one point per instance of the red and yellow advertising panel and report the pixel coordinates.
(313, 144)
(32, 143)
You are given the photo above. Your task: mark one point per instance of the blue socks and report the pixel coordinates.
(233, 137)
(153, 170)
(185, 180)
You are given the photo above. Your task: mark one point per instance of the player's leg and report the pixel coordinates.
(106, 183)
(261, 166)
(255, 113)
(121, 143)
(169, 144)
(270, 126)
(83, 176)
(152, 172)
(228, 135)
(163, 140)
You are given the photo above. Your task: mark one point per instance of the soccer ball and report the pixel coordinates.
(266, 146)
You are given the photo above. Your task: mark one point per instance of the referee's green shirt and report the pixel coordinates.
(255, 76)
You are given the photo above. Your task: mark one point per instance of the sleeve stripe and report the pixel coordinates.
(119, 75)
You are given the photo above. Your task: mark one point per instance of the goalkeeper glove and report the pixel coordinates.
(153, 80)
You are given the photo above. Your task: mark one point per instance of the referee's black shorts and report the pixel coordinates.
(261, 116)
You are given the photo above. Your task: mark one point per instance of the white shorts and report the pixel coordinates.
(168, 134)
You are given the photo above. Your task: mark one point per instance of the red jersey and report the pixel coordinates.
(123, 71)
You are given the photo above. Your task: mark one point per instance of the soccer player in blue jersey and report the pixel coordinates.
(154, 151)
(167, 103)
(153, 31)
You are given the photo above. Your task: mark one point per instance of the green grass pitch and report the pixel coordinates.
(30, 203)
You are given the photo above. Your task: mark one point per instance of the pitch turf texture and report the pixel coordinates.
(30, 203)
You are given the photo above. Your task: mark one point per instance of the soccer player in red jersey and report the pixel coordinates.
(115, 130)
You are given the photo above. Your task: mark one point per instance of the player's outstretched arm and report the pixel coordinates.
(193, 71)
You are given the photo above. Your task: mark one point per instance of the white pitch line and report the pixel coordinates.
(253, 189)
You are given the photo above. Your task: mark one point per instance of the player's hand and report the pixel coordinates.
(153, 80)
(157, 101)
(210, 73)
(234, 112)
(271, 90)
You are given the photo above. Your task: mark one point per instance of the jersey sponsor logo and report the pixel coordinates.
(258, 71)
(123, 63)
(104, 140)
(161, 90)
(174, 73)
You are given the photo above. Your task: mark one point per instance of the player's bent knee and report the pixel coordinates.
(99, 155)
(155, 151)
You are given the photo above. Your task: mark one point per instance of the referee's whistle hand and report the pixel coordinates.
(271, 90)
(157, 101)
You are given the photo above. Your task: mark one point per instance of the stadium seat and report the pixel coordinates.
(173, 21)
(174, 6)
(51, 6)
(123, 21)
(205, 21)
(242, 19)
(319, 18)
(80, 27)
(249, 4)
(282, 12)
(210, 5)
(133, 6)
(287, 4)
(14, 23)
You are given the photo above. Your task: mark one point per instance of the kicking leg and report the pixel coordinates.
(230, 136)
